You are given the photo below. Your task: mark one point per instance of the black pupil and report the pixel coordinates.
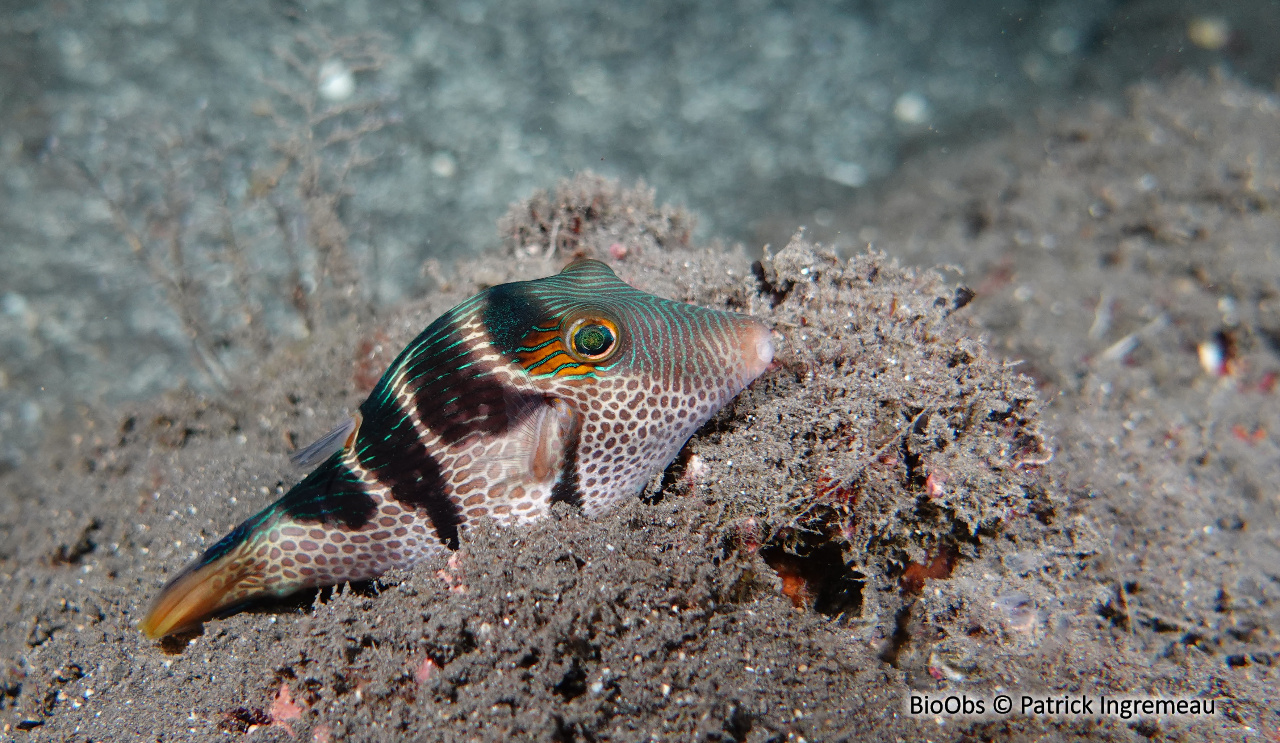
(592, 340)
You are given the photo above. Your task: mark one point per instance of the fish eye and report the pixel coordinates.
(592, 338)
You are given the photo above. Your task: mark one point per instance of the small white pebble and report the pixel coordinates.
(1212, 359)
(911, 108)
(1209, 32)
(443, 164)
(335, 81)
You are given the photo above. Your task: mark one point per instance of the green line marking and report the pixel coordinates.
(548, 358)
(564, 366)
(530, 349)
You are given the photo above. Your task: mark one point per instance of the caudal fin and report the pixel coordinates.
(195, 594)
(320, 533)
(228, 573)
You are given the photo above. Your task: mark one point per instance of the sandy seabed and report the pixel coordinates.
(1051, 472)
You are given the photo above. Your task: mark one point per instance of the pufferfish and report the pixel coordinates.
(574, 388)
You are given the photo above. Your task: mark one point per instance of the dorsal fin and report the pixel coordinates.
(589, 267)
(324, 447)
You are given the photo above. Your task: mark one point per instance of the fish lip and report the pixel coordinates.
(764, 349)
(758, 348)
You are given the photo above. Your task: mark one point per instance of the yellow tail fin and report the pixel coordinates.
(197, 593)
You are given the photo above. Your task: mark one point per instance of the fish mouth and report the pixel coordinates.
(757, 348)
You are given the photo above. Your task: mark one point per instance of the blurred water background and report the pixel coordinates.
(184, 185)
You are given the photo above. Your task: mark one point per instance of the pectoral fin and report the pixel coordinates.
(542, 440)
(553, 433)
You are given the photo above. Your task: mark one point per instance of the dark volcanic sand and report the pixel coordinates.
(891, 508)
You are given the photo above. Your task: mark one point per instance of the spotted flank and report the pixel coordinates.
(574, 388)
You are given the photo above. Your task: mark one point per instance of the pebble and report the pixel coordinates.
(336, 82)
(1209, 32)
(911, 108)
(443, 164)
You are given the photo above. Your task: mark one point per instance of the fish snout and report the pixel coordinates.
(757, 348)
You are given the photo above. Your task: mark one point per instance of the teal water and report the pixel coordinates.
(152, 154)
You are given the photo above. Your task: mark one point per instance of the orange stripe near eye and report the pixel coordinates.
(543, 353)
(536, 348)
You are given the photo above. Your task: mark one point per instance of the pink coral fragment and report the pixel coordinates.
(283, 709)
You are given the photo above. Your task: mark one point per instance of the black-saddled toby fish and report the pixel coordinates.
(575, 388)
